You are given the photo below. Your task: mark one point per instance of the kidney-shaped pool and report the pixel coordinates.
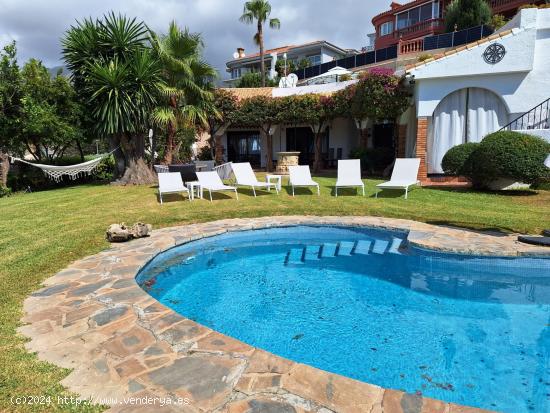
(357, 302)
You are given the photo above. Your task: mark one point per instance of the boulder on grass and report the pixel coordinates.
(123, 233)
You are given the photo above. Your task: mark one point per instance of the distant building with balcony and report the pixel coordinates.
(420, 18)
(316, 53)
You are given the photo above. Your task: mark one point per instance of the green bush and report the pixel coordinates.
(4, 191)
(458, 160)
(510, 155)
(374, 160)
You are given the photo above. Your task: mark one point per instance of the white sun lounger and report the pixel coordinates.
(212, 182)
(301, 176)
(349, 175)
(404, 175)
(170, 183)
(244, 175)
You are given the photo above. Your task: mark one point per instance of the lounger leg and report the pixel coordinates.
(363, 190)
(376, 195)
(237, 194)
(210, 193)
(254, 190)
(292, 190)
(406, 192)
(318, 191)
(160, 196)
(336, 189)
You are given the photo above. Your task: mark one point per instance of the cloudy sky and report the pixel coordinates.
(37, 25)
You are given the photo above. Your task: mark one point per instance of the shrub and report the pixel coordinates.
(510, 155)
(458, 159)
(4, 191)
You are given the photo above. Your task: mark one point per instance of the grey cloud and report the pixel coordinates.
(39, 25)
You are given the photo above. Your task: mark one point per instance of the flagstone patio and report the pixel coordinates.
(120, 342)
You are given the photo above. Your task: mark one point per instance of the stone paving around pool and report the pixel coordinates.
(120, 342)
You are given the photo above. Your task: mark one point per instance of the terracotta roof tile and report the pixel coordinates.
(248, 92)
(460, 49)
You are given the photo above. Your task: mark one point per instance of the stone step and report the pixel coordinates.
(312, 252)
(345, 248)
(362, 247)
(380, 246)
(328, 250)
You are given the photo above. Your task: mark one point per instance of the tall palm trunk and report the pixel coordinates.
(262, 61)
(4, 169)
(170, 136)
(137, 172)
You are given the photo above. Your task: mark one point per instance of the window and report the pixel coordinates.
(417, 15)
(236, 73)
(436, 10)
(314, 60)
(426, 12)
(386, 28)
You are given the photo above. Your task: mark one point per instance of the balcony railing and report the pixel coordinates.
(536, 118)
(500, 6)
(350, 62)
(454, 39)
(425, 26)
(411, 46)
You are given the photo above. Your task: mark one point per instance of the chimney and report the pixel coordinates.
(240, 52)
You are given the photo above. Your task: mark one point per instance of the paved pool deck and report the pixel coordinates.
(121, 343)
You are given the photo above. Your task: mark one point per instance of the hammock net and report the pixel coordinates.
(72, 171)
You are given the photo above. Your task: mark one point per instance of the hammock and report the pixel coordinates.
(72, 171)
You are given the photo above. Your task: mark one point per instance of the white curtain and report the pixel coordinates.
(466, 115)
(449, 121)
(486, 114)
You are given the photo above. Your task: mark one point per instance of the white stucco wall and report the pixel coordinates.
(541, 133)
(343, 134)
(522, 78)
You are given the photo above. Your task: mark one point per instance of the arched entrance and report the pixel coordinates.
(466, 115)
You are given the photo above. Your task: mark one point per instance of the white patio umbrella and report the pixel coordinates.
(330, 76)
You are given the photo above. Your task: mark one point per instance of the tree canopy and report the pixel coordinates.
(463, 14)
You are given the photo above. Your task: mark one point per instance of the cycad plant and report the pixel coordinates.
(187, 91)
(118, 78)
(259, 11)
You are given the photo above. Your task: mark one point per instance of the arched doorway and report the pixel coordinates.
(466, 115)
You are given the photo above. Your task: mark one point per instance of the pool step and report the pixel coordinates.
(295, 256)
(345, 248)
(328, 250)
(362, 247)
(312, 252)
(342, 249)
(380, 246)
(395, 244)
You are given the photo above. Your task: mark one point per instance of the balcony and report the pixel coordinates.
(507, 6)
(431, 26)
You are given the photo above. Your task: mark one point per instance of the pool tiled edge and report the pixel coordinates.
(121, 343)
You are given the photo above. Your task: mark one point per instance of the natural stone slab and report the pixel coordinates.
(121, 342)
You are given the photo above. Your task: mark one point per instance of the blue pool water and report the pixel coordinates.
(469, 330)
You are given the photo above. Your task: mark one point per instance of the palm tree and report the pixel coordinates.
(259, 11)
(118, 78)
(188, 83)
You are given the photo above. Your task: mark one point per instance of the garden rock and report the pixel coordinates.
(123, 233)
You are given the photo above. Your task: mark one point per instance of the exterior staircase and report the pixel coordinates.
(311, 253)
(534, 122)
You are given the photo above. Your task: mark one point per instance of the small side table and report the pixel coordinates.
(277, 178)
(192, 187)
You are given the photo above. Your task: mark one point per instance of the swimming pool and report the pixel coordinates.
(353, 301)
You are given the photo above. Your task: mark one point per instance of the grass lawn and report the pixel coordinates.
(41, 233)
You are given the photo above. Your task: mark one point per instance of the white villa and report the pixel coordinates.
(459, 96)
(315, 53)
